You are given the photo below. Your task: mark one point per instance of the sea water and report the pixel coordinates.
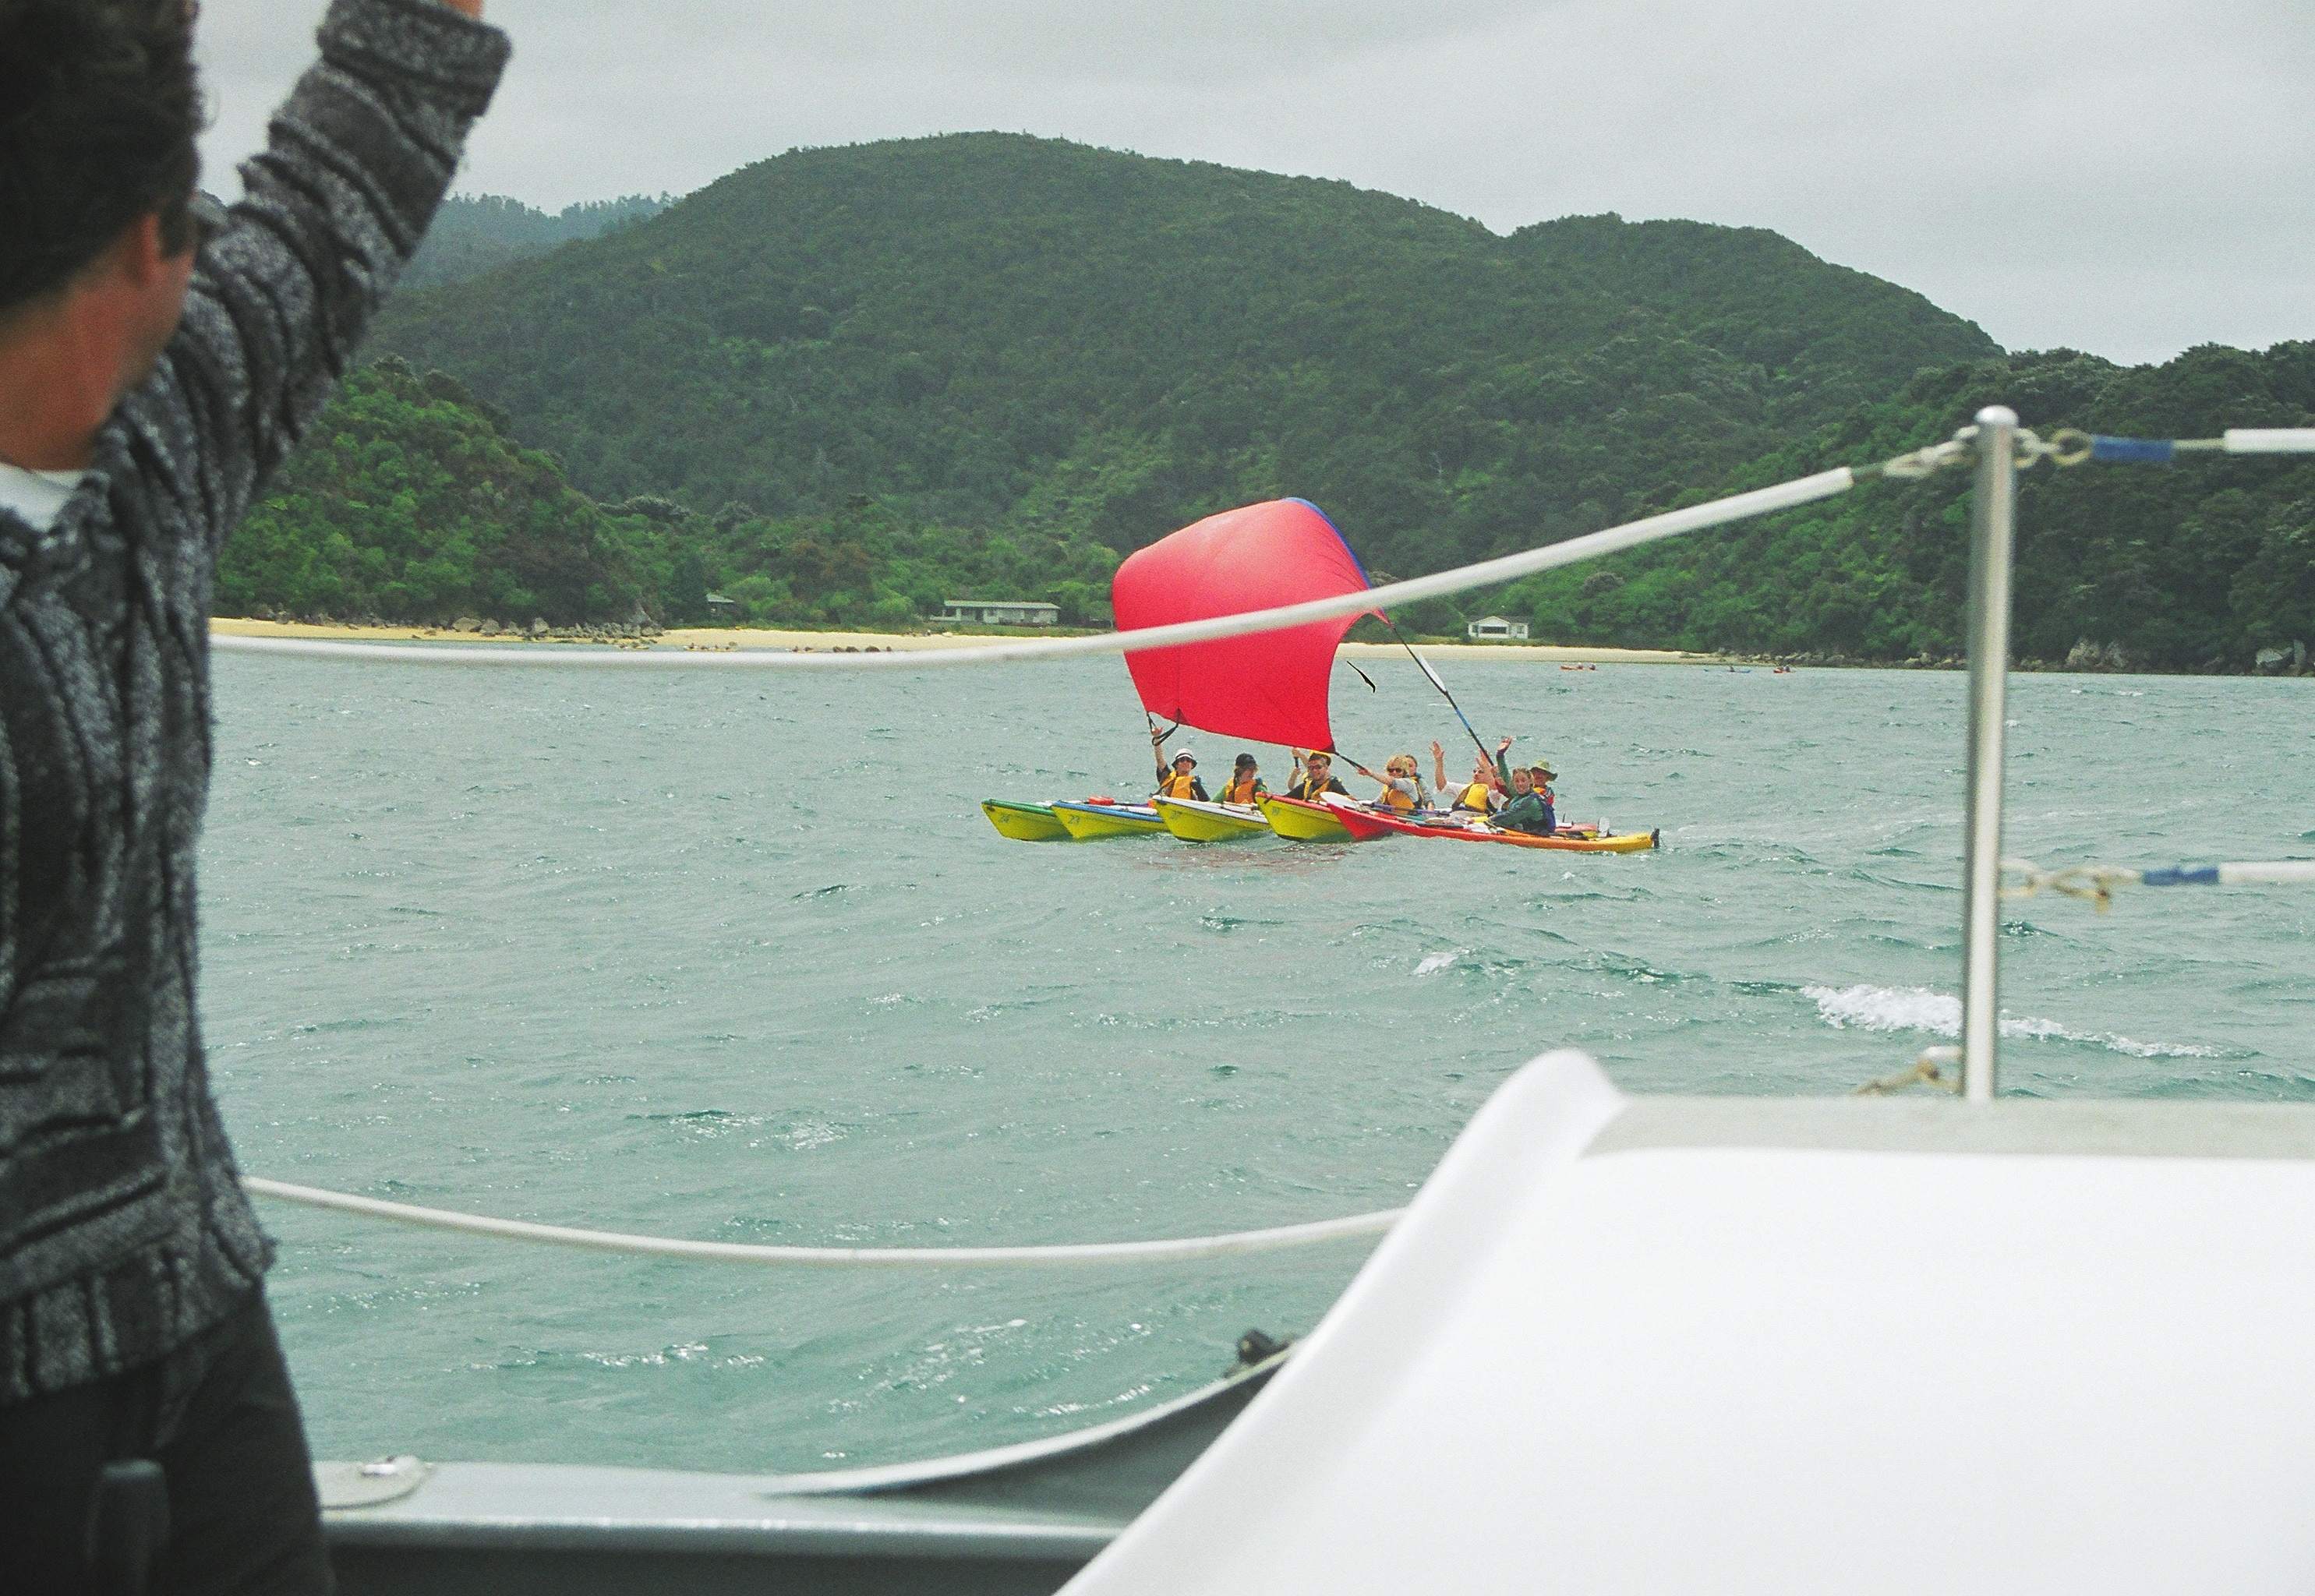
(732, 955)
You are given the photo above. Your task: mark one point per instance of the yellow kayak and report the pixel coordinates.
(1193, 821)
(1025, 822)
(1090, 822)
(1293, 819)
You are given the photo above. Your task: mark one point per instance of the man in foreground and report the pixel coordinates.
(152, 379)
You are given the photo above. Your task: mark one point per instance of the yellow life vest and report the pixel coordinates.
(1310, 789)
(1397, 797)
(1473, 797)
(1175, 785)
(1237, 791)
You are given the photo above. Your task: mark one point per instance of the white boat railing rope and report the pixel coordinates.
(1188, 1249)
(2072, 446)
(2064, 448)
(2095, 884)
(1759, 502)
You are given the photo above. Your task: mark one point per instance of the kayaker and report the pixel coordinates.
(1182, 781)
(1245, 785)
(1402, 784)
(1483, 794)
(1314, 777)
(1532, 808)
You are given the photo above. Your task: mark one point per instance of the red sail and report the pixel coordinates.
(1269, 687)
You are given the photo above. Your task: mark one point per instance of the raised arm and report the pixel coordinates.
(357, 160)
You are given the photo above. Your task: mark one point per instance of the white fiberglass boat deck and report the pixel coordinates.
(1619, 1343)
(1762, 1345)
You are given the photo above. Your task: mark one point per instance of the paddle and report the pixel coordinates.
(1157, 740)
(1424, 666)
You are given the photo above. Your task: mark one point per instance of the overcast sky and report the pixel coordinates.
(2127, 177)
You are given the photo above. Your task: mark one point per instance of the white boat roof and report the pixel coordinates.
(1779, 1345)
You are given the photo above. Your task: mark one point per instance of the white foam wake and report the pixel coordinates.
(1434, 962)
(1918, 1008)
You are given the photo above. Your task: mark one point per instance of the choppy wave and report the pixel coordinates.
(1918, 1008)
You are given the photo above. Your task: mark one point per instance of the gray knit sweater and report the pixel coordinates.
(123, 1231)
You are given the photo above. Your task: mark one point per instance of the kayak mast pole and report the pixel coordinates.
(1423, 665)
(1992, 527)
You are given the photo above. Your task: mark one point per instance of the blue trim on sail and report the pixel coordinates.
(1347, 549)
(1337, 531)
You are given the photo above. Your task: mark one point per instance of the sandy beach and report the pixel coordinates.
(745, 637)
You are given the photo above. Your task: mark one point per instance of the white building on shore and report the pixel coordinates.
(999, 612)
(1495, 629)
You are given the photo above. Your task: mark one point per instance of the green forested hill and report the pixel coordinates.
(1036, 337)
(410, 501)
(472, 234)
(844, 385)
(2195, 565)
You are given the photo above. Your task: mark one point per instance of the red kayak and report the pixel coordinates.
(1367, 825)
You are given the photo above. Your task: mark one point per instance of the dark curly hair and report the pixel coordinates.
(99, 109)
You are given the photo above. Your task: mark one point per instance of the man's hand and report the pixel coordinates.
(1505, 746)
(1437, 752)
(473, 8)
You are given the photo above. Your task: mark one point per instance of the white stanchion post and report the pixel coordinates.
(1993, 517)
